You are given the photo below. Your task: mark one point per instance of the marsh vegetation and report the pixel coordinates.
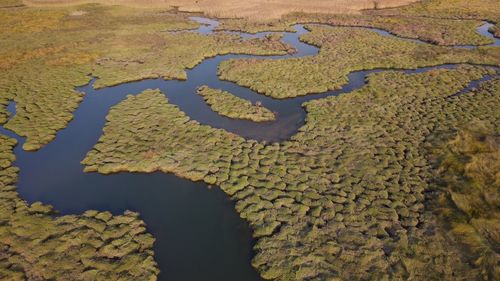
(342, 50)
(468, 180)
(436, 31)
(226, 104)
(36, 244)
(117, 44)
(348, 187)
(395, 180)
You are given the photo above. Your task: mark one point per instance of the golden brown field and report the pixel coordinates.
(255, 9)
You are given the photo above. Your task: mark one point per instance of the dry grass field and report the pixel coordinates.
(255, 9)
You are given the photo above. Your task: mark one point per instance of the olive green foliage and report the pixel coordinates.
(469, 207)
(433, 21)
(167, 55)
(343, 50)
(344, 198)
(452, 9)
(44, 98)
(496, 30)
(449, 9)
(436, 31)
(432, 30)
(226, 104)
(45, 53)
(37, 245)
(163, 138)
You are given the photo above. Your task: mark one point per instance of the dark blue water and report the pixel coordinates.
(199, 235)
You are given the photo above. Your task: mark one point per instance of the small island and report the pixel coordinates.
(226, 104)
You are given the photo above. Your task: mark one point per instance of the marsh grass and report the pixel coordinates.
(453, 9)
(226, 104)
(435, 31)
(45, 53)
(342, 50)
(344, 198)
(36, 244)
(148, 55)
(468, 173)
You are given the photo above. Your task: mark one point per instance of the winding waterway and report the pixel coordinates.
(199, 235)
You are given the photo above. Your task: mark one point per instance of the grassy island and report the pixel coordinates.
(226, 104)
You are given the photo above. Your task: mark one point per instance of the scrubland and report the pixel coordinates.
(345, 197)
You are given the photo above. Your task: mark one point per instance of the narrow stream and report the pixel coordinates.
(199, 234)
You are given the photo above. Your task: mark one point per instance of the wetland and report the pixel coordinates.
(331, 183)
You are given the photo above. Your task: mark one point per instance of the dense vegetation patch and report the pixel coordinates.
(226, 104)
(168, 55)
(37, 245)
(468, 174)
(344, 198)
(45, 53)
(44, 96)
(343, 50)
(451, 9)
(163, 138)
(436, 31)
